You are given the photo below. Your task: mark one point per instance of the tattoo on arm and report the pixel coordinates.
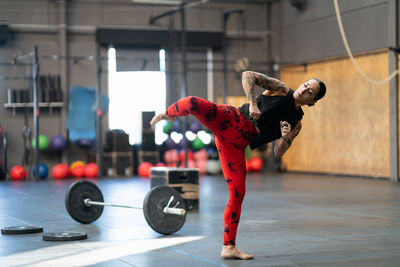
(254, 78)
(296, 130)
(248, 86)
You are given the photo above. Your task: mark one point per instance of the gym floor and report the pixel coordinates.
(287, 220)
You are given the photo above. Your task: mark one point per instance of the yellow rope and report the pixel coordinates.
(346, 44)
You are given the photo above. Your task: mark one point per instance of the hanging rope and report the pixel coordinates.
(346, 44)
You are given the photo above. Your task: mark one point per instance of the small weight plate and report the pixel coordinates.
(153, 206)
(64, 236)
(74, 201)
(15, 230)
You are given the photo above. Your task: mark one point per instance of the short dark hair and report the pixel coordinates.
(322, 90)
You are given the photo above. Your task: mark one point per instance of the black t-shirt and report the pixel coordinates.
(274, 109)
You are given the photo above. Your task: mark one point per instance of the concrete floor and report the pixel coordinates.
(287, 220)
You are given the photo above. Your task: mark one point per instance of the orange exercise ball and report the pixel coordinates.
(76, 163)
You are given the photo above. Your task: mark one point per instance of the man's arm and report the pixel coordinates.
(251, 78)
(283, 143)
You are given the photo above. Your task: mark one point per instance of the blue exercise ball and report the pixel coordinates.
(43, 171)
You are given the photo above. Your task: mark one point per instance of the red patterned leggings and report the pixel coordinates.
(233, 133)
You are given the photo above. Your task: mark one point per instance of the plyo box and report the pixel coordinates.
(183, 180)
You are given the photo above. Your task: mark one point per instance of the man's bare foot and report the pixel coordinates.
(159, 117)
(233, 252)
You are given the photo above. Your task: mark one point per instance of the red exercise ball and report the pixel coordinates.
(182, 155)
(202, 165)
(18, 173)
(248, 166)
(256, 164)
(91, 170)
(144, 169)
(60, 171)
(202, 154)
(161, 164)
(190, 164)
(78, 171)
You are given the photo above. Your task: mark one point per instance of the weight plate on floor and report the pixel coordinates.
(15, 230)
(74, 201)
(153, 206)
(64, 236)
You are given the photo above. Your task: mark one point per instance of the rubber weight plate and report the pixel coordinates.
(74, 201)
(153, 205)
(64, 236)
(15, 230)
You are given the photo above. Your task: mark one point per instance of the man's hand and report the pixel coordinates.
(255, 113)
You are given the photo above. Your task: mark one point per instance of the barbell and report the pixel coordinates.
(163, 207)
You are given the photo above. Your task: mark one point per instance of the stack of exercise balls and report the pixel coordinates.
(80, 169)
(195, 144)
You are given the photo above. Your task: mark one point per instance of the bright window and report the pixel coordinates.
(131, 93)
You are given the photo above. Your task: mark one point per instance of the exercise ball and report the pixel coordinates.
(91, 170)
(58, 142)
(171, 156)
(86, 143)
(60, 171)
(76, 163)
(212, 153)
(195, 126)
(201, 155)
(176, 127)
(160, 164)
(144, 169)
(190, 164)
(248, 166)
(78, 171)
(213, 167)
(256, 164)
(182, 155)
(18, 173)
(197, 144)
(167, 129)
(43, 142)
(202, 165)
(169, 143)
(43, 171)
(183, 143)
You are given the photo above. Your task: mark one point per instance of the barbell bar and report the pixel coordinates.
(166, 209)
(85, 203)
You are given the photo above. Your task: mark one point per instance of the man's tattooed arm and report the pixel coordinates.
(251, 78)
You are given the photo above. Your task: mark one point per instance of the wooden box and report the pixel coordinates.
(183, 180)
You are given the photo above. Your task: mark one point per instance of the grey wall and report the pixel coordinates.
(313, 33)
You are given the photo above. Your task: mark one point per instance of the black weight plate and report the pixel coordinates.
(64, 236)
(153, 205)
(15, 230)
(74, 201)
